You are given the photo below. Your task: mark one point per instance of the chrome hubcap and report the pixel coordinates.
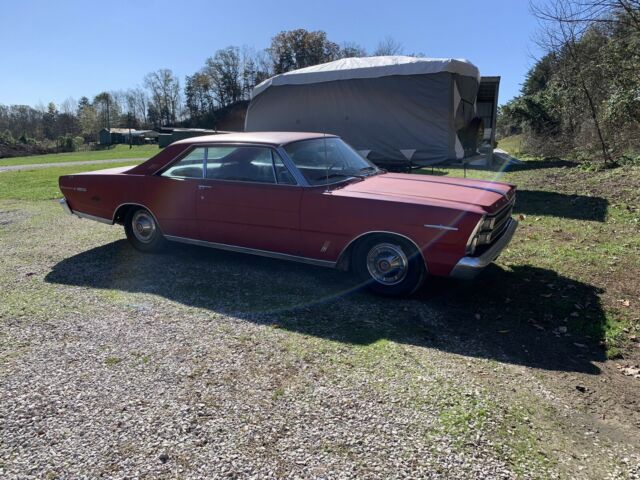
(387, 264)
(144, 227)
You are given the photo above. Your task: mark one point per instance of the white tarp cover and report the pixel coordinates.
(399, 110)
(369, 67)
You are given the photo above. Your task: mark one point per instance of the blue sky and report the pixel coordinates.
(52, 50)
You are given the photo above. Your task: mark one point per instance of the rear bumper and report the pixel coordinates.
(468, 267)
(65, 206)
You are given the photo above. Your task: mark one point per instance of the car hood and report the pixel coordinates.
(429, 190)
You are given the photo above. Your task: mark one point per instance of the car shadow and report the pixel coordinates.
(551, 162)
(575, 207)
(526, 315)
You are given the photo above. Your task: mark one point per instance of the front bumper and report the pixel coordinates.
(468, 267)
(65, 206)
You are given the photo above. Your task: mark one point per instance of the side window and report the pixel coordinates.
(283, 175)
(242, 164)
(189, 167)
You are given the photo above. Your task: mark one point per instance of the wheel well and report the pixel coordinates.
(121, 213)
(344, 261)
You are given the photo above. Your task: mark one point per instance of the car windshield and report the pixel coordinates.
(328, 160)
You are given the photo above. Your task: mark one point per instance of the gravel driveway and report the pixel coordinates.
(202, 364)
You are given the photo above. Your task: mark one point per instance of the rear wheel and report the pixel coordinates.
(143, 231)
(388, 265)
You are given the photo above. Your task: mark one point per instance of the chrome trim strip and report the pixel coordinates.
(468, 267)
(441, 227)
(92, 217)
(65, 206)
(252, 251)
(382, 232)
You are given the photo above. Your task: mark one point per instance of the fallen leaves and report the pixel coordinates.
(629, 370)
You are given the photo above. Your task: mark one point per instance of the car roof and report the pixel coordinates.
(271, 138)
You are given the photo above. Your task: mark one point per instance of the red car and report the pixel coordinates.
(306, 197)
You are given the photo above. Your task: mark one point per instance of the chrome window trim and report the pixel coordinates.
(206, 147)
(288, 163)
(293, 170)
(160, 172)
(252, 251)
(353, 240)
(273, 167)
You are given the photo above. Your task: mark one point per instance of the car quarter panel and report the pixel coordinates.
(171, 201)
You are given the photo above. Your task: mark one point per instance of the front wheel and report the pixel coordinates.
(143, 231)
(389, 265)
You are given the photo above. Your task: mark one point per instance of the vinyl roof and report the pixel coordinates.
(270, 138)
(369, 67)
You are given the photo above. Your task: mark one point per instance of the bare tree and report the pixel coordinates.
(69, 106)
(584, 13)
(561, 30)
(388, 46)
(137, 102)
(164, 87)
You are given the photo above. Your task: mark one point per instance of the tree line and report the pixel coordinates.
(582, 97)
(162, 99)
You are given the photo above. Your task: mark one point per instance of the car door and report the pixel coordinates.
(249, 199)
(173, 198)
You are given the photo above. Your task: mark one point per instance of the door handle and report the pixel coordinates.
(204, 187)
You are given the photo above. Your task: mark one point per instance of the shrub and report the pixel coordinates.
(6, 138)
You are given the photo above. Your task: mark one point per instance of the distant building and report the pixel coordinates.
(115, 136)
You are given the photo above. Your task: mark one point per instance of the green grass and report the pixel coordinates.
(116, 152)
(112, 361)
(42, 184)
(579, 232)
(512, 145)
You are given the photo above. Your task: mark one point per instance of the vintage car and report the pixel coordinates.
(306, 197)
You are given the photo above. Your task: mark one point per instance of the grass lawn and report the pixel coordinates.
(512, 144)
(118, 151)
(577, 249)
(42, 184)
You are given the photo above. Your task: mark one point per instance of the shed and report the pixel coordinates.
(111, 136)
(395, 110)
